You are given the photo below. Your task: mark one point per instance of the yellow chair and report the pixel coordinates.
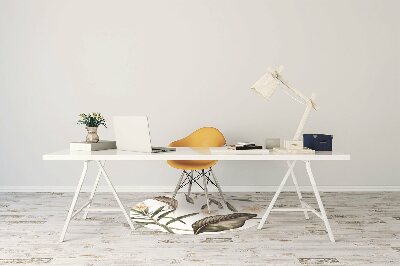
(193, 170)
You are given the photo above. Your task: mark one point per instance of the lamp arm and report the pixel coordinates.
(297, 92)
(301, 98)
(310, 105)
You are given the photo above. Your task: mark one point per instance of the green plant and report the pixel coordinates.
(92, 120)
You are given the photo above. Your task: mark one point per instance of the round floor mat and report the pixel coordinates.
(189, 215)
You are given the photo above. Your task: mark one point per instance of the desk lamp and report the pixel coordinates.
(266, 86)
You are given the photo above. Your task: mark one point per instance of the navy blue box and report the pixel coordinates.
(318, 142)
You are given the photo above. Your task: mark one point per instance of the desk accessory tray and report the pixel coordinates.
(229, 150)
(293, 151)
(246, 148)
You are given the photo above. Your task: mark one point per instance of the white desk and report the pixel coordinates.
(100, 157)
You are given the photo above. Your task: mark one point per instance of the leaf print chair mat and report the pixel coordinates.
(180, 216)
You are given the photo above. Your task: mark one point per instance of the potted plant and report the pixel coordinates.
(92, 121)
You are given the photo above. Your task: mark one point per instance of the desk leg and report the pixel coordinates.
(128, 219)
(271, 205)
(71, 209)
(320, 205)
(96, 182)
(298, 191)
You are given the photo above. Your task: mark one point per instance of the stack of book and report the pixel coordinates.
(98, 146)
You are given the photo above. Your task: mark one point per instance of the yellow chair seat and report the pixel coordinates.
(191, 165)
(203, 137)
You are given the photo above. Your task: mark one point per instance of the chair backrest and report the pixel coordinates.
(203, 137)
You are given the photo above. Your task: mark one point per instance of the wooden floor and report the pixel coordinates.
(366, 226)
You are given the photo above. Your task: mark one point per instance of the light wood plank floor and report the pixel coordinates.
(366, 226)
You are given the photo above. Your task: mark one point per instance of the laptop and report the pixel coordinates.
(132, 133)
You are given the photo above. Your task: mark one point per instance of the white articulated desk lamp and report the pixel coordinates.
(266, 86)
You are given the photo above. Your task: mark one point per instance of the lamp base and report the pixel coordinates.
(293, 151)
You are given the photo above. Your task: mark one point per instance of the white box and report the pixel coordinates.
(271, 143)
(293, 144)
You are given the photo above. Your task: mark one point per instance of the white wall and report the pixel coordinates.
(188, 64)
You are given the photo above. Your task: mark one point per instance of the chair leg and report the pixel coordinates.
(190, 183)
(228, 205)
(205, 189)
(178, 185)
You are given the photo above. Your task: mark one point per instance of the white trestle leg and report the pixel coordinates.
(86, 207)
(71, 209)
(96, 182)
(278, 191)
(305, 207)
(298, 191)
(320, 205)
(128, 219)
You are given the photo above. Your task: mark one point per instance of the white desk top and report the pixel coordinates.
(189, 154)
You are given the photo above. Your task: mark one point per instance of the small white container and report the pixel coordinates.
(271, 143)
(293, 144)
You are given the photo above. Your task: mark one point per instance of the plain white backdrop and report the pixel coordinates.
(188, 64)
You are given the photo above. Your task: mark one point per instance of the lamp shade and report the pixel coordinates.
(267, 84)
